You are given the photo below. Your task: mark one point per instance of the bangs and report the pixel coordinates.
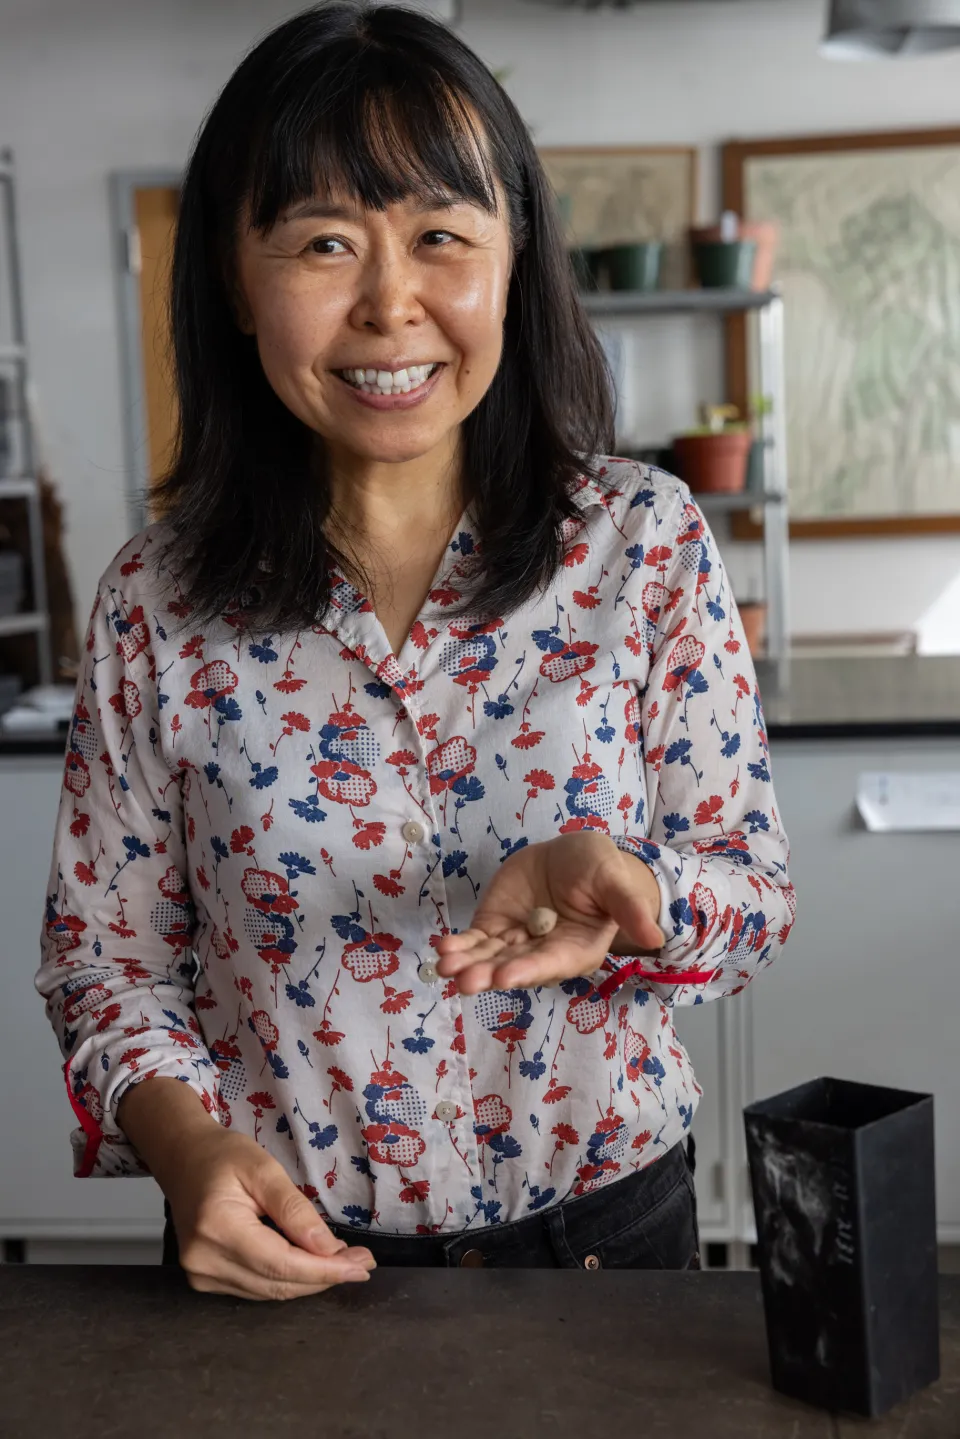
(374, 129)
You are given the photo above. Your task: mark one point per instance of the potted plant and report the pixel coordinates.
(736, 252)
(713, 457)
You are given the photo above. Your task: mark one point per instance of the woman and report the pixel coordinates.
(403, 662)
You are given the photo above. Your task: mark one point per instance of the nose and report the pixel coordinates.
(388, 298)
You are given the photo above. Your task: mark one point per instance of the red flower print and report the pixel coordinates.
(417, 1189)
(588, 1012)
(63, 932)
(574, 659)
(449, 762)
(493, 1117)
(709, 811)
(135, 637)
(171, 885)
(268, 892)
(210, 684)
(636, 1051)
(685, 657)
(372, 958)
(264, 1028)
(296, 721)
(658, 556)
(395, 1144)
(344, 782)
(76, 776)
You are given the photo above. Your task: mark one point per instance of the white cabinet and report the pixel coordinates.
(713, 1036)
(868, 987)
(39, 1197)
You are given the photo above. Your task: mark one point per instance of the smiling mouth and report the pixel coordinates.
(390, 382)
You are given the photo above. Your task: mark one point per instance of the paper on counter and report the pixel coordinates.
(889, 801)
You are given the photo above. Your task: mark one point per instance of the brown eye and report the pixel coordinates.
(324, 240)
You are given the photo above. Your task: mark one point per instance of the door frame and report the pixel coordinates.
(126, 265)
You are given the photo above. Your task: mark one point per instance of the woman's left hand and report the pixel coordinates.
(595, 889)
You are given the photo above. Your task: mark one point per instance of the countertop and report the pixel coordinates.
(876, 696)
(416, 1354)
(882, 697)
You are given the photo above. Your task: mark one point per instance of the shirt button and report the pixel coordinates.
(412, 831)
(428, 973)
(446, 1111)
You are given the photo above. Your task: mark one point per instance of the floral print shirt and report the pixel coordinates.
(261, 838)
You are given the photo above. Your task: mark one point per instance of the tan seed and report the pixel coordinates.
(541, 921)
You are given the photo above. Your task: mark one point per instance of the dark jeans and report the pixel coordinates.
(647, 1221)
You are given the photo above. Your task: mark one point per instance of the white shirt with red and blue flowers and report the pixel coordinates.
(261, 838)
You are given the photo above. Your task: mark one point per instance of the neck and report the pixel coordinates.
(378, 503)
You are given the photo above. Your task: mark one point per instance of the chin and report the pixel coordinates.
(395, 450)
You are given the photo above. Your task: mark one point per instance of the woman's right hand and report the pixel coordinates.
(218, 1184)
(222, 1183)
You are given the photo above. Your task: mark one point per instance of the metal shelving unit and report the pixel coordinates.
(24, 485)
(766, 308)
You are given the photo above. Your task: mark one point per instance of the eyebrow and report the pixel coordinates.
(328, 210)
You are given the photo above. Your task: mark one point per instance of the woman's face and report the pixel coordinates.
(334, 290)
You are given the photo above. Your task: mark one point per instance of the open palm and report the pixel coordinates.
(596, 891)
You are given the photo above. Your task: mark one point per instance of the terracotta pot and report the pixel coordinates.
(765, 235)
(753, 615)
(714, 463)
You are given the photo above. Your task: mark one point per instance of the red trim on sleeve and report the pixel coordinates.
(635, 970)
(89, 1126)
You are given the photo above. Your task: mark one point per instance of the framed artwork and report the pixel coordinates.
(612, 196)
(869, 266)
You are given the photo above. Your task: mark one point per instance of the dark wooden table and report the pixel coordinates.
(130, 1351)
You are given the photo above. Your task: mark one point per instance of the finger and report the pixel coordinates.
(465, 939)
(452, 965)
(549, 963)
(476, 979)
(632, 911)
(223, 1275)
(268, 1256)
(283, 1202)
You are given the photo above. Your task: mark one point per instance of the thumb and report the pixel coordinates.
(280, 1198)
(629, 894)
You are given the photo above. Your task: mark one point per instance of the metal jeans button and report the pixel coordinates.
(472, 1259)
(592, 1261)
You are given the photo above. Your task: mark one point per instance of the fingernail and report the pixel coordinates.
(356, 1276)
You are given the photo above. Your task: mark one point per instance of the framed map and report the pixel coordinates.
(869, 266)
(612, 196)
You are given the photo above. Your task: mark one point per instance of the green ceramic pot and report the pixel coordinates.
(724, 264)
(635, 266)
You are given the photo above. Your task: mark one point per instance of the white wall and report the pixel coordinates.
(86, 89)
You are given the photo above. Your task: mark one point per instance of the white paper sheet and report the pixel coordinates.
(889, 801)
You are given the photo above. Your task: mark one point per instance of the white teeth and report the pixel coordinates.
(386, 382)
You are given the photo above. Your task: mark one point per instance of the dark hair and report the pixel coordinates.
(379, 101)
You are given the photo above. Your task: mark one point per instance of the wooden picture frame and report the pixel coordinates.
(623, 193)
(738, 156)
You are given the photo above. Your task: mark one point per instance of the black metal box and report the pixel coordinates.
(843, 1191)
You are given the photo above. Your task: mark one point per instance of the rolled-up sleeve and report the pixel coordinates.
(117, 966)
(713, 836)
